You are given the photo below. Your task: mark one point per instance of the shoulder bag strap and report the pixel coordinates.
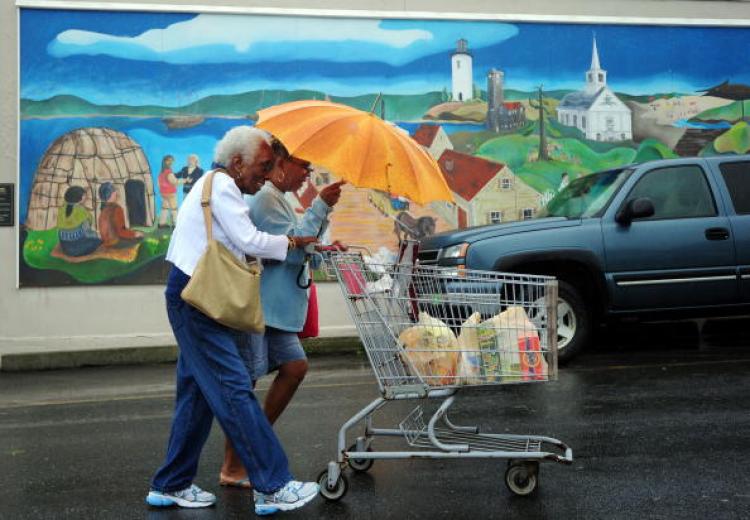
(206, 204)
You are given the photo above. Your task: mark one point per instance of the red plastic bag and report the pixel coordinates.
(353, 278)
(311, 328)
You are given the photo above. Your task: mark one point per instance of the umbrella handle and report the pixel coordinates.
(375, 103)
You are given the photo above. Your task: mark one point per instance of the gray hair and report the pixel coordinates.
(240, 140)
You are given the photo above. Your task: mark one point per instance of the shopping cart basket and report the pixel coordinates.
(429, 331)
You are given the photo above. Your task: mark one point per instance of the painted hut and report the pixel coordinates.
(88, 157)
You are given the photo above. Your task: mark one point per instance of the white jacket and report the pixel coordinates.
(231, 226)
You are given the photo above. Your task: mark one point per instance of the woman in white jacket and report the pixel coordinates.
(211, 377)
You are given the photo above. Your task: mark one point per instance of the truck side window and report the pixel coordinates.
(737, 178)
(677, 192)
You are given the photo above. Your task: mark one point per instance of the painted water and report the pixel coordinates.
(154, 136)
(719, 125)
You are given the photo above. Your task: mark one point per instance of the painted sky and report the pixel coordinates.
(173, 59)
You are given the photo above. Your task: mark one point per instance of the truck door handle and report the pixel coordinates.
(717, 233)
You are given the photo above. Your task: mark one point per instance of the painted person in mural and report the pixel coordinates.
(112, 226)
(74, 225)
(212, 379)
(190, 173)
(167, 182)
(285, 290)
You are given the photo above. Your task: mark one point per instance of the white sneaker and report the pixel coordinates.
(189, 497)
(293, 495)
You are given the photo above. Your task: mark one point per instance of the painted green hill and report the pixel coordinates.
(520, 95)
(566, 155)
(651, 150)
(646, 98)
(730, 112)
(246, 103)
(398, 107)
(72, 106)
(735, 140)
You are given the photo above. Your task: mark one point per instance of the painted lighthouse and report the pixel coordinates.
(461, 67)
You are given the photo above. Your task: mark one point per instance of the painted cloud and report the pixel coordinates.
(210, 38)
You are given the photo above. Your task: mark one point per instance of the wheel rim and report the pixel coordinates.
(567, 323)
(360, 464)
(335, 493)
(520, 480)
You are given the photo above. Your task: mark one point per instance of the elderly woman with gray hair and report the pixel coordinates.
(212, 379)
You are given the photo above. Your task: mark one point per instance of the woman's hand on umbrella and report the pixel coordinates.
(331, 193)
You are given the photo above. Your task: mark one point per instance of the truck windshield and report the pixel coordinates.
(586, 196)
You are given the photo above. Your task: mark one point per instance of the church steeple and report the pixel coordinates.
(595, 57)
(596, 77)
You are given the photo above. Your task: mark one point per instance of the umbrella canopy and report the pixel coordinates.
(357, 146)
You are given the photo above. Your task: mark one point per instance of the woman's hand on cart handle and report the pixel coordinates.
(338, 246)
(302, 242)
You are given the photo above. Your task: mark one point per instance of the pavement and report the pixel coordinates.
(19, 360)
(338, 338)
(658, 427)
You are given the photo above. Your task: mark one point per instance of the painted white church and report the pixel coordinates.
(596, 110)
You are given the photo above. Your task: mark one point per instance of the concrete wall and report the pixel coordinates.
(75, 318)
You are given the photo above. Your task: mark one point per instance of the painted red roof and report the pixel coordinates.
(512, 105)
(425, 134)
(307, 196)
(467, 175)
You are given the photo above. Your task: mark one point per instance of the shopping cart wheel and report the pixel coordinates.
(521, 477)
(360, 465)
(337, 492)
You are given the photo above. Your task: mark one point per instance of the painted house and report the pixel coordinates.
(485, 192)
(434, 139)
(596, 110)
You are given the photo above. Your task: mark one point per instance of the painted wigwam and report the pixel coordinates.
(89, 157)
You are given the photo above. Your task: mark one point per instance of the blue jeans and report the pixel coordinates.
(264, 353)
(212, 381)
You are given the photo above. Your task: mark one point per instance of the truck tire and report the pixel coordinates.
(574, 323)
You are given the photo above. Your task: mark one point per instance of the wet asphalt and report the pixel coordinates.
(659, 429)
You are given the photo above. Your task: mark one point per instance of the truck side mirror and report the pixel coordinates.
(636, 208)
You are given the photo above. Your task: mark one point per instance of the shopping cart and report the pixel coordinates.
(429, 331)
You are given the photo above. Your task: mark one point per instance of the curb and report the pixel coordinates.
(28, 361)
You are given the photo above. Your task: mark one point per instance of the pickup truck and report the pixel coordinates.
(662, 239)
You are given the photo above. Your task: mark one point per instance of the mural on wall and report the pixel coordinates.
(120, 112)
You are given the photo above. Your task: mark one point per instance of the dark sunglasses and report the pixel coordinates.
(307, 166)
(267, 166)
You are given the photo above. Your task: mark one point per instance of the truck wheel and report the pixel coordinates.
(573, 322)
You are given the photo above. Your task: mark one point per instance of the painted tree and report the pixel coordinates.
(477, 94)
(543, 155)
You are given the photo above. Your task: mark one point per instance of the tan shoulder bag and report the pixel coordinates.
(223, 287)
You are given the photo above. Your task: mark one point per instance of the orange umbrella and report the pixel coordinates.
(357, 146)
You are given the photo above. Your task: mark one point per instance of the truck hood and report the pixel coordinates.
(475, 234)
